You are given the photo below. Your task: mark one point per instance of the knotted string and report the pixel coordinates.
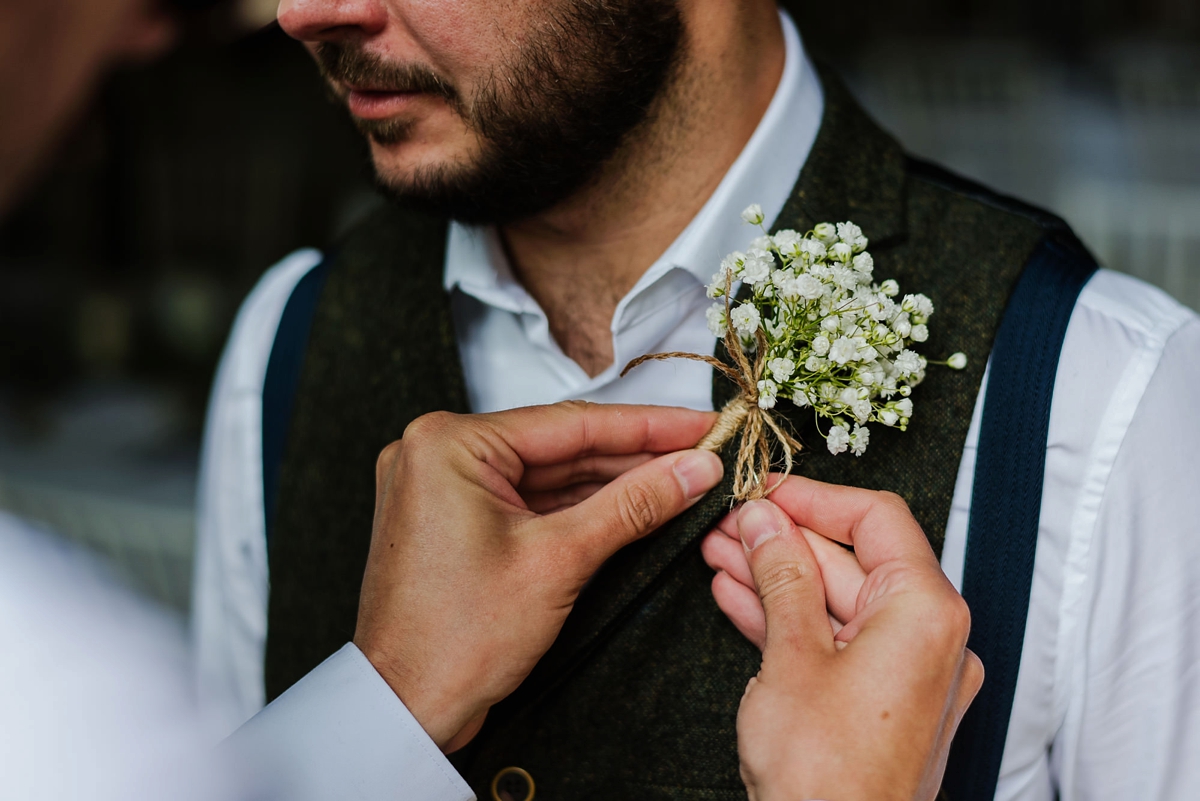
(742, 414)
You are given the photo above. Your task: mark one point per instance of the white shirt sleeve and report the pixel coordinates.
(340, 732)
(1131, 727)
(230, 585)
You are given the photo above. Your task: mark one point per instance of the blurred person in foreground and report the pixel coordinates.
(568, 175)
(94, 700)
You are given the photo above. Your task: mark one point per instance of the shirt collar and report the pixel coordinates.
(764, 173)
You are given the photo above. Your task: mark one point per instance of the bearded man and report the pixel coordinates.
(567, 175)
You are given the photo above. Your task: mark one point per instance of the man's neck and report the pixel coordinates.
(580, 258)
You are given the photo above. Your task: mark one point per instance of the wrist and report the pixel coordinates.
(442, 713)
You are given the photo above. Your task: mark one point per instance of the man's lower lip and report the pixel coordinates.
(378, 105)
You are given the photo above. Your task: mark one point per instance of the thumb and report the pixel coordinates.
(636, 503)
(787, 578)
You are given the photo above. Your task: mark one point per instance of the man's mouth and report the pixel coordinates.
(376, 104)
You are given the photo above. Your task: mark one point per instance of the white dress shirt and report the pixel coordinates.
(96, 704)
(1106, 703)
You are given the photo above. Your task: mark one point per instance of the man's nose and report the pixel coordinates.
(332, 20)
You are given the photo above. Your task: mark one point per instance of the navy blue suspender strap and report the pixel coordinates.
(283, 378)
(1006, 501)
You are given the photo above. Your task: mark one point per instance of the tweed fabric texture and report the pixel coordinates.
(638, 697)
(381, 353)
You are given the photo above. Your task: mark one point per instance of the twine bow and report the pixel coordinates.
(742, 413)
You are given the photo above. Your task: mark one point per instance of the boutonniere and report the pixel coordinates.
(817, 331)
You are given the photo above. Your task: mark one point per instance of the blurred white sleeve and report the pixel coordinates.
(230, 583)
(340, 732)
(95, 701)
(96, 704)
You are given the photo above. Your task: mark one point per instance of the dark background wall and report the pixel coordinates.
(120, 274)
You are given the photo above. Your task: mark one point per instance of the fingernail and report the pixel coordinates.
(759, 521)
(698, 472)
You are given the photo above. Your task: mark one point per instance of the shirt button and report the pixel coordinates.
(512, 784)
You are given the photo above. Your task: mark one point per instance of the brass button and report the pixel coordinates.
(512, 784)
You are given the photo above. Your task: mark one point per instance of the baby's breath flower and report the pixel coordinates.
(756, 269)
(917, 304)
(820, 345)
(881, 308)
(890, 288)
(781, 368)
(716, 319)
(788, 241)
(852, 235)
(840, 251)
(919, 333)
(764, 243)
(767, 392)
(753, 214)
(957, 361)
(838, 439)
(843, 350)
(746, 319)
(859, 440)
(809, 287)
(889, 417)
(813, 248)
(732, 264)
(826, 232)
(845, 278)
(904, 407)
(864, 264)
(907, 363)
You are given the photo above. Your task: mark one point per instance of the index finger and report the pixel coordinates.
(545, 435)
(878, 525)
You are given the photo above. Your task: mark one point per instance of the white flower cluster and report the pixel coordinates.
(836, 341)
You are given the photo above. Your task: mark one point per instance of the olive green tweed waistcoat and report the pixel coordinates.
(638, 697)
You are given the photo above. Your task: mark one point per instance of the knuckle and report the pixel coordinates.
(428, 426)
(949, 624)
(574, 405)
(973, 673)
(782, 579)
(640, 507)
(388, 456)
(893, 501)
(958, 617)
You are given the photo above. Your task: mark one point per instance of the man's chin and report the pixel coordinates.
(442, 192)
(388, 135)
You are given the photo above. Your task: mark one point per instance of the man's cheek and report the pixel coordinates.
(466, 39)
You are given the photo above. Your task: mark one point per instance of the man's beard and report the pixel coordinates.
(548, 121)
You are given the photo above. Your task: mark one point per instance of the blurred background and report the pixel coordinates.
(120, 274)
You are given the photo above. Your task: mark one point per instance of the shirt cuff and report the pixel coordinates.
(341, 732)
